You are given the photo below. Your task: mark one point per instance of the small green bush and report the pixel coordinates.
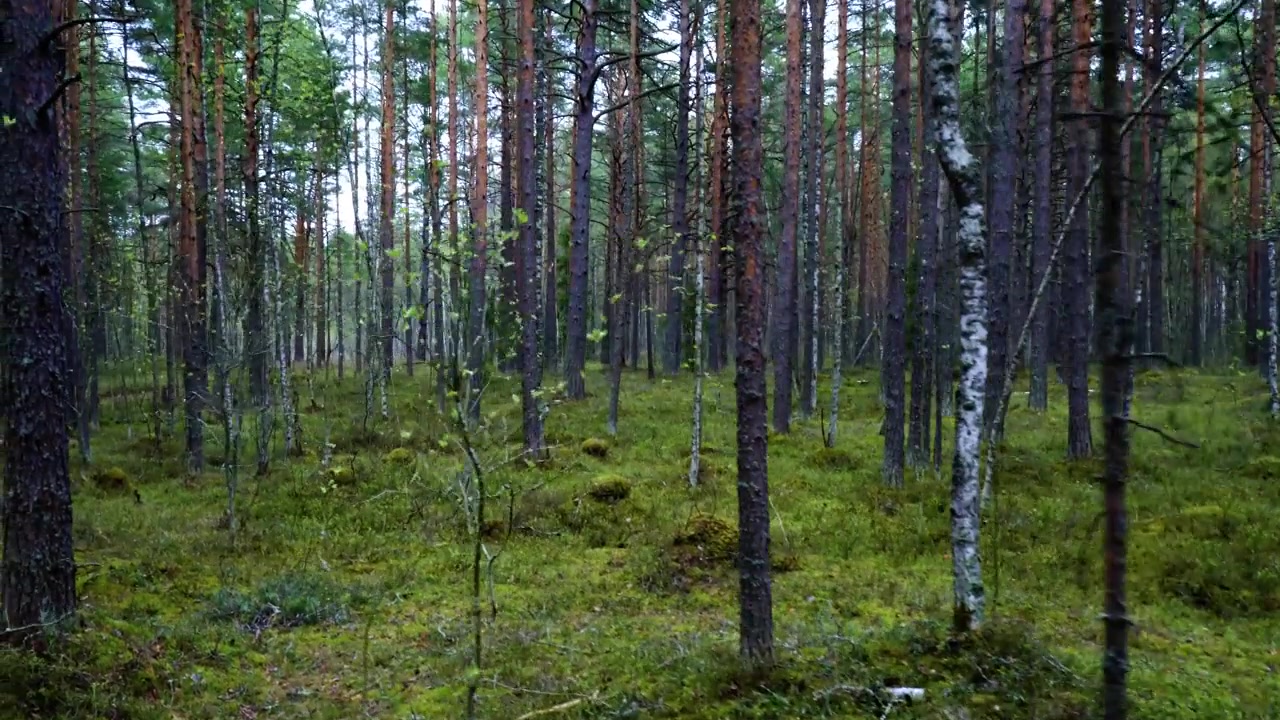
(288, 600)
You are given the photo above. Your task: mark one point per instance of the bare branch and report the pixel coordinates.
(1161, 433)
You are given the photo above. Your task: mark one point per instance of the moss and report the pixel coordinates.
(400, 456)
(1266, 467)
(709, 538)
(111, 480)
(834, 459)
(642, 585)
(595, 447)
(609, 489)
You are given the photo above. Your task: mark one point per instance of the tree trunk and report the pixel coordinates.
(812, 210)
(1195, 354)
(387, 178)
(755, 595)
(717, 340)
(479, 216)
(1042, 223)
(527, 252)
(1154, 306)
(673, 352)
(550, 297)
(961, 170)
(1114, 345)
(1075, 300)
(38, 573)
(193, 226)
(895, 333)
(580, 220)
(785, 335)
(1005, 168)
(924, 362)
(255, 337)
(844, 227)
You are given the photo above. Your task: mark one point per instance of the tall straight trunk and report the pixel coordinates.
(321, 249)
(220, 179)
(844, 227)
(455, 356)
(620, 229)
(1260, 270)
(1154, 305)
(1195, 353)
(812, 210)
(924, 361)
(895, 329)
(255, 337)
(73, 251)
(479, 216)
(437, 301)
(961, 170)
(1004, 177)
(550, 296)
(1075, 299)
(150, 252)
(192, 230)
(580, 207)
(635, 129)
(508, 304)
(94, 284)
(1114, 345)
(673, 352)
(785, 334)
(717, 189)
(1042, 222)
(527, 252)
(387, 176)
(410, 353)
(755, 596)
(301, 259)
(38, 572)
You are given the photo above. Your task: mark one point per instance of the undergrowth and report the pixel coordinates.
(613, 591)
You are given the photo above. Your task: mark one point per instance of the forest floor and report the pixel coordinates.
(348, 591)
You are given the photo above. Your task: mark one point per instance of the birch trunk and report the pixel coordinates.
(961, 171)
(695, 449)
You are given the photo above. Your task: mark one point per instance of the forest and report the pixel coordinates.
(639, 359)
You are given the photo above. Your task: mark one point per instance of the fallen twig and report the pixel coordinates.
(1161, 433)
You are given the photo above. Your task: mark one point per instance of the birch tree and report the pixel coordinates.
(961, 170)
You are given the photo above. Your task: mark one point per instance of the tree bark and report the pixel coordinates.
(479, 214)
(786, 337)
(1042, 222)
(1005, 166)
(387, 178)
(895, 332)
(37, 569)
(1114, 345)
(527, 252)
(580, 220)
(1195, 353)
(1154, 305)
(809, 366)
(961, 170)
(755, 601)
(673, 352)
(1075, 300)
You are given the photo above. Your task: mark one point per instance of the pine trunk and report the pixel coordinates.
(580, 206)
(785, 338)
(895, 330)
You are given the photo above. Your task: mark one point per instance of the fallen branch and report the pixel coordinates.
(1161, 433)
(552, 710)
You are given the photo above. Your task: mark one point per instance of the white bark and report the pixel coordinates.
(282, 346)
(230, 429)
(961, 170)
(837, 346)
(695, 449)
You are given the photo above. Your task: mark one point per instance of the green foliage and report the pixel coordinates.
(291, 600)
(111, 480)
(400, 456)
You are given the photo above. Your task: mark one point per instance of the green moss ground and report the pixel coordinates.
(347, 593)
